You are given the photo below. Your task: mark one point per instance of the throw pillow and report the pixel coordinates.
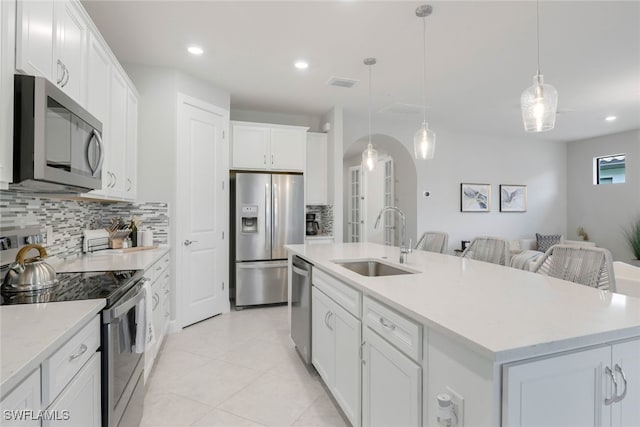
(545, 241)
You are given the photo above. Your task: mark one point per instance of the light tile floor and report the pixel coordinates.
(236, 369)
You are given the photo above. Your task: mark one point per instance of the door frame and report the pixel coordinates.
(184, 99)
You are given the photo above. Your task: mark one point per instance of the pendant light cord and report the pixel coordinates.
(424, 68)
(538, 31)
(370, 101)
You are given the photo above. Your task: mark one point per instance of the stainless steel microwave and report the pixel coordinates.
(57, 143)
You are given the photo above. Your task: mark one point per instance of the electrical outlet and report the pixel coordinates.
(458, 406)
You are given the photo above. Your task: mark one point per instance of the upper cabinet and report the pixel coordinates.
(259, 146)
(51, 39)
(316, 173)
(7, 60)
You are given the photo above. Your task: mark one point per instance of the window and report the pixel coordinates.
(609, 169)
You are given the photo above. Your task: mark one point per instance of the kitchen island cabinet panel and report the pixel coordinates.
(26, 396)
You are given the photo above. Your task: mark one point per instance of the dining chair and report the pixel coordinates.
(588, 266)
(433, 241)
(489, 249)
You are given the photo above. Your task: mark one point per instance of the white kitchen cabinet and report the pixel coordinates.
(575, 388)
(98, 79)
(7, 66)
(260, 146)
(51, 42)
(117, 135)
(131, 154)
(336, 352)
(159, 277)
(26, 396)
(391, 384)
(80, 400)
(316, 172)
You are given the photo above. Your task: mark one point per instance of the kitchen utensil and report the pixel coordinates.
(29, 274)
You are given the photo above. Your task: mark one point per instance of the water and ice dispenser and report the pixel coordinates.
(249, 219)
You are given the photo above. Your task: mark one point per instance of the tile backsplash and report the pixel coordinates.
(324, 216)
(67, 218)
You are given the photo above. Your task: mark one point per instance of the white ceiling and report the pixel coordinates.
(480, 56)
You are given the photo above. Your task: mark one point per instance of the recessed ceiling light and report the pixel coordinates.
(301, 65)
(610, 118)
(195, 50)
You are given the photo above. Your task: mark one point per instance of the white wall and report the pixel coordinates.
(480, 159)
(312, 121)
(603, 210)
(335, 144)
(158, 90)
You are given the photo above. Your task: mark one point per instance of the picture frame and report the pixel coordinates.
(475, 197)
(513, 198)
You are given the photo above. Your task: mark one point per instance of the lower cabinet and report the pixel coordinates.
(391, 385)
(25, 397)
(336, 352)
(159, 276)
(79, 404)
(597, 387)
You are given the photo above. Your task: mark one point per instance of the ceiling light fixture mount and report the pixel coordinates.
(424, 141)
(369, 155)
(539, 102)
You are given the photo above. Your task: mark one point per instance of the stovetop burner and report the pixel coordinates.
(79, 286)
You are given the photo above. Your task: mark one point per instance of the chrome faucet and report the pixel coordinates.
(404, 249)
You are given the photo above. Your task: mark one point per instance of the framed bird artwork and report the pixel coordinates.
(513, 198)
(475, 197)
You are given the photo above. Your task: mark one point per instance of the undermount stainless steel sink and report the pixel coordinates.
(372, 268)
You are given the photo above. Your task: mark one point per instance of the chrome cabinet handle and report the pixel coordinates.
(83, 350)
(130, 184)
(272, 159)
(187, 243)
(327, 316)
(387, 325)
(66, 72)
(264, 159)
(618, 369)
(158, 268)
(115, 180)
(156, 301)
(612, 399)
(59, 63)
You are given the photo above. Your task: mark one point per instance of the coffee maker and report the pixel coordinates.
(312, 225)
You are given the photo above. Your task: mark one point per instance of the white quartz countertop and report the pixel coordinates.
(112, 260)
(503, 313)
(29, 333)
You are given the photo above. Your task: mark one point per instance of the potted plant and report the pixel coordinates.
(632, 234)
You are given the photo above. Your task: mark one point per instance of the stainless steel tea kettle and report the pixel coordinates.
(31, 274)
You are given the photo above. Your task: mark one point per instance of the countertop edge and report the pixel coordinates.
(16, 377)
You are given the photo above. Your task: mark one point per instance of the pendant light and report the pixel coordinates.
(539, 102)
(424, 141)
(369, 155)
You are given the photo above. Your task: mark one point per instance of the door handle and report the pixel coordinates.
(66, 72)
(614, 394)
(189, 242)
(60, 67)
(618, 369)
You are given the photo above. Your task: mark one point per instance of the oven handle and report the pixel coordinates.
(129, 302)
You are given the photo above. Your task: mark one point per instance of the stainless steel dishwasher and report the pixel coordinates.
(301, 307)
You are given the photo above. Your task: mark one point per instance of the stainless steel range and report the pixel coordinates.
(122, 344)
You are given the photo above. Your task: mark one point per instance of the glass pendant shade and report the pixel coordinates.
(424, 143)
(369, 158)
(539, 105)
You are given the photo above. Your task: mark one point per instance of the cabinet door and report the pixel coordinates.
(26, 396)
(117, 136)
(346, 384)
(71, 36)
(316, 172)
(250, 146)
(98, 79)
(566, 390)
(34, 39)
(79, 403)
(131, 154)
(626, 413)
(391, 385)
(7, 66)
(288, 148)
(322, 341)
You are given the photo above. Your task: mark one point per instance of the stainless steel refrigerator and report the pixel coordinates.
(269, 213)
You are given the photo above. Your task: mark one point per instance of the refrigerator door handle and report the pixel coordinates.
(261, 266)
(267, 228)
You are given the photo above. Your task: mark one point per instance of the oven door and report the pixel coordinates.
(123, 339)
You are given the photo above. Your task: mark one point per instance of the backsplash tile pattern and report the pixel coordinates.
(68, 218)
(324, 216)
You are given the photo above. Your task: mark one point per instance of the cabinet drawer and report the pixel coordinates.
(157, 268)
(340, 292)
(400, 331)
(58, 369)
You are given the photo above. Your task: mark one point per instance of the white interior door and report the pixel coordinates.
(202, 211)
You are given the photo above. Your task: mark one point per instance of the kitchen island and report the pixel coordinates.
(514, 346)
